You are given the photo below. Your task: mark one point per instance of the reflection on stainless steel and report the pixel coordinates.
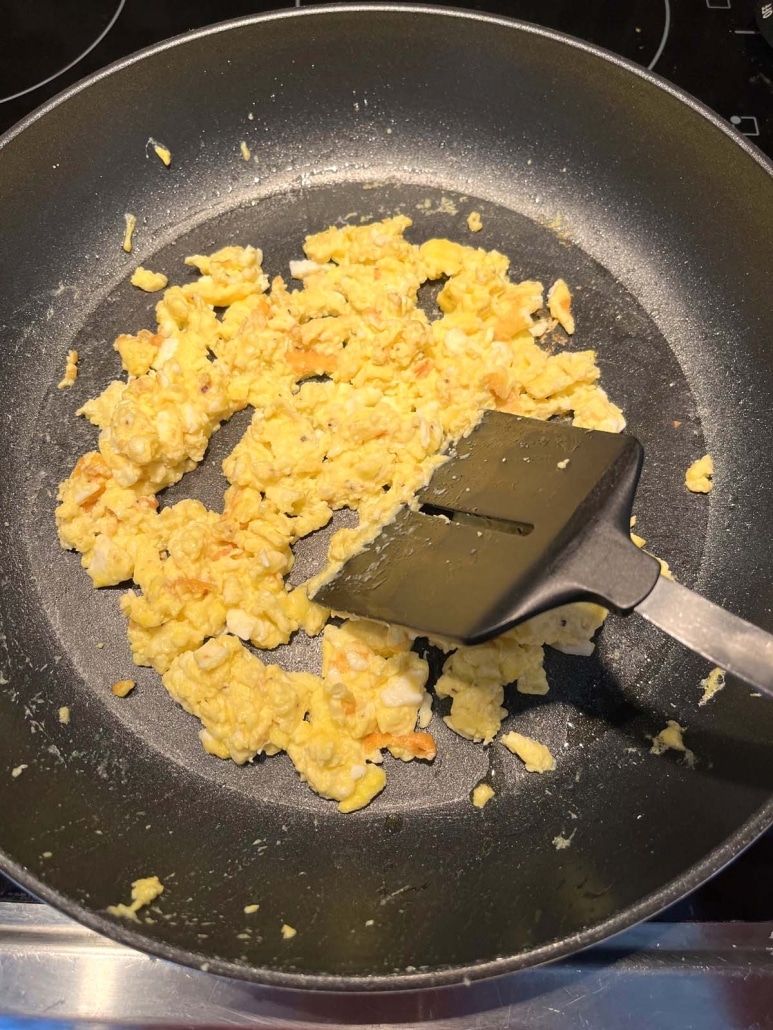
(54, 969)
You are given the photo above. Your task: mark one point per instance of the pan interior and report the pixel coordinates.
(499, 871)
(639, 371)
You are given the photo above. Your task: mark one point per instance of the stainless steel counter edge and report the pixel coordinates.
(56, 971)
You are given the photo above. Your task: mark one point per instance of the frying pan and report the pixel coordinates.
(581, 165)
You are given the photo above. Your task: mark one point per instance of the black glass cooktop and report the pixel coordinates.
(721, 51)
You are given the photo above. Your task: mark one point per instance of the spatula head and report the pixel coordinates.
(524, 516)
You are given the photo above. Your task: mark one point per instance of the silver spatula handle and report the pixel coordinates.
(732, 643)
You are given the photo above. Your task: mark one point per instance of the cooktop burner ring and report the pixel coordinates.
(636, 29)
(664, 37)
(103, 31)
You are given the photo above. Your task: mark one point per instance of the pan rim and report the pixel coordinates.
(395, 983)
(749, 148)
(446, 976)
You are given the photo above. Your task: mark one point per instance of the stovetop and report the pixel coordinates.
(720, 937)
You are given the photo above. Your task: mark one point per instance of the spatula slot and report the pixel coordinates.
(479, 522)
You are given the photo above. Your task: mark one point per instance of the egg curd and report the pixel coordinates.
(144, 892)
(355, 394)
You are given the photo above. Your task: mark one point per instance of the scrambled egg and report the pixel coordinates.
(70, 370)
(559, 305)
(482, 794)
(355, 394)
(535, 756)
(699, 476)
(144, 891)
(712, 685)
(671, 739)
(164, 154)
(131, 225)
(474, 221)
(150, 282)
(123, 688)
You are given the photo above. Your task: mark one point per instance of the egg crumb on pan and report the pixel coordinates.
(163, 153)
(245, 151)
(288, 931)
(70, 370)
(474, 221)
(355, 394)
(131, 225)
(561, 843)
(482, 794)
(712, 684)
(699, 476)
(150, 282)
(123, 687)
(560, 305)
(251, 909)
(671, 738)
(535, 756)
(144, 892)
(64, 715)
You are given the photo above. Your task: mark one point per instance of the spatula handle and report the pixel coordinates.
(733, 644)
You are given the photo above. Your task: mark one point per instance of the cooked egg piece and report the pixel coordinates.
(535, 756)
(482, 794)
(671, 738)
(712, 684)
(131, 224)
(70, 370)
(560, 305)
(150, 282)
(144, 892)
(164, 154)
(474, 222)
(699, 476)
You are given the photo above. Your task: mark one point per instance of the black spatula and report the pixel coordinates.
(526, 516)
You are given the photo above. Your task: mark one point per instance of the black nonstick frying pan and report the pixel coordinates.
(581, 165)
